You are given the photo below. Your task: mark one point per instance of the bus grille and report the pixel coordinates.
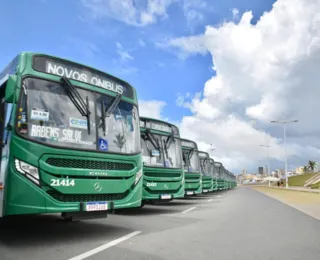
(89, 164)
(86, 197)
(162, 174)
(192, 177)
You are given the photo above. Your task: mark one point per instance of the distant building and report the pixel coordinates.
(260, 171)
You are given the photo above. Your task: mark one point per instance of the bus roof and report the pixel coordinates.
(157, 120)
(57, 66)
(195, 146)
(201, 152)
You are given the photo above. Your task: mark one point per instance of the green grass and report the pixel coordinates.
(315, 186)
(300, 179)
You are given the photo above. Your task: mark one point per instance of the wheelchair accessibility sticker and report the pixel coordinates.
(103, 144)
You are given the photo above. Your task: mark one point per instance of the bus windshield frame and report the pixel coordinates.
(58, 123)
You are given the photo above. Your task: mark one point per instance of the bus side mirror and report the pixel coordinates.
(10, 89)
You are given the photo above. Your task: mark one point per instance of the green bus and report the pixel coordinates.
(214, 175)
(205, 166)
(219, 170)
(70, 139)
(163, 174)
(191, 164)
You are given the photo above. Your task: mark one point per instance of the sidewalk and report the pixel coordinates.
(299, 198)
(303, 189)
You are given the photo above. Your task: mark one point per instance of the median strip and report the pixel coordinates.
(105, 246)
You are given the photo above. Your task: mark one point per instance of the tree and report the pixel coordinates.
(311, 165)
(305, 169)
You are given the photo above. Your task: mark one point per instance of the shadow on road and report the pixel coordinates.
(177, 203)
(25, 231)
(147, 210)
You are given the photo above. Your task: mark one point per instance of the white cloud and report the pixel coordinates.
(151, 108)
(264, 72)
(124, 55)
(136, 13)
(142, 43)
(145, 12)
(235, 13)
(193, 10)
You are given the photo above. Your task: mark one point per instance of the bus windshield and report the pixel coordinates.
(156, 153)
(191, 160)
(205, 166)
(46, 114)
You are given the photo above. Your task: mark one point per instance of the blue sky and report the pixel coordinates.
(67, 29)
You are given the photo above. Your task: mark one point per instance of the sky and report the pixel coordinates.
(220, 70)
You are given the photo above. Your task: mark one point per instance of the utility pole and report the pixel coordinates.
(285, 122)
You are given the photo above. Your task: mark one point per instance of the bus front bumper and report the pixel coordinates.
(24, 197)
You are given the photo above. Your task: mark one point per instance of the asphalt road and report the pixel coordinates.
(240, 224)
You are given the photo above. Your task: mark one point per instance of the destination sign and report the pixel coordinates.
(142, 124)
(81, 73)
(188, 144)
(160, 127)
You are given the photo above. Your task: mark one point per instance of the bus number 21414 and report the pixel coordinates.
(63, 182)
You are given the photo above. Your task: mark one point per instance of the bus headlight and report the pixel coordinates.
(138, 176)
(28, 170)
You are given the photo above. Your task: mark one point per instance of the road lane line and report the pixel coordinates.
(219, 196)
(105, 246)
(188, 210)
(210, 200)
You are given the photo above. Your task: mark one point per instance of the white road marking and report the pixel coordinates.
(219, 196)
(210, 200)
(188, 210)
(105, 246)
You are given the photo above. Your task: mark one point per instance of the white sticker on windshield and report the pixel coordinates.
(146, 159)
(78, 123)
(39, 114)
(155, 153)
(59, 135)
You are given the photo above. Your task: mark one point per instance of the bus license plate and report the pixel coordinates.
(165, 197)
(189, 192)
(205, 191)
(97, 206)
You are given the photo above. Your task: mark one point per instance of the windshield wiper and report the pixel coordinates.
(153, 140)
(79, 103)
(106, 112)
(202, 164)
(167, 143)
(112, 106)
(103, 122)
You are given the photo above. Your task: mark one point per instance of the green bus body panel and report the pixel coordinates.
(164, 185)
(32, 199)
(193, 182)
(207, 183)
(37, 201)
(22, 196)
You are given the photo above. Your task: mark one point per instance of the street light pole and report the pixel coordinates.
(284, 122)
(211, 150)
(268, 147)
